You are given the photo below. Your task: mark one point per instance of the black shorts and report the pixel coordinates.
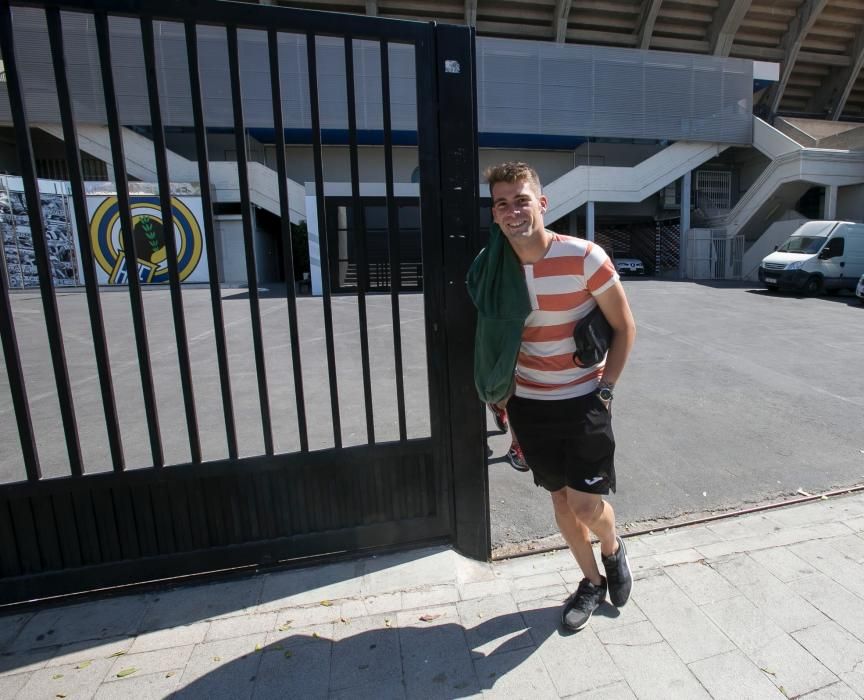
(566, 442)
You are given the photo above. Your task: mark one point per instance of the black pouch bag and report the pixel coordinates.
(592, 336)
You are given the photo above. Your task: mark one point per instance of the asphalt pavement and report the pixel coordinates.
(732, 395)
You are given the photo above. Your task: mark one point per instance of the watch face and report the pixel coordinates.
(605, 393)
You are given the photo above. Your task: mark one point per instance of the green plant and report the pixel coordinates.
(300, 249)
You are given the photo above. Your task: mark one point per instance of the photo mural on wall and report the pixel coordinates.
(18, 249)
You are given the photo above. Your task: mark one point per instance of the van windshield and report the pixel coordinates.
(802, 244)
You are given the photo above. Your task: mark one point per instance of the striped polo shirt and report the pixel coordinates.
(562, 287)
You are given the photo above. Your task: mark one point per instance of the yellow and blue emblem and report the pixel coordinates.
(148, 234)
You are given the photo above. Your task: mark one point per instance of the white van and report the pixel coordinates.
(819, 256)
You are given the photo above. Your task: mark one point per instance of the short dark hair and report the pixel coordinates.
(513, 171)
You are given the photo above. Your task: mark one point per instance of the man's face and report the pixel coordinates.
(517, 209)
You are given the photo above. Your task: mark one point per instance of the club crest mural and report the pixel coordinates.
(148, 237)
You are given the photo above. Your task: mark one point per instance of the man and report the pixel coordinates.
(562, 411)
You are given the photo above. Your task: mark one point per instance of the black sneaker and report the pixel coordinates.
(618, 574)
(580, 606)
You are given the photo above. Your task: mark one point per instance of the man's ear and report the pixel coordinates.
(544, 203)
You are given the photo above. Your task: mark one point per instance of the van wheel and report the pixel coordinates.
(814, 285)
(773, 288)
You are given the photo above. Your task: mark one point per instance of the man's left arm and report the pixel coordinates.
(613, 304)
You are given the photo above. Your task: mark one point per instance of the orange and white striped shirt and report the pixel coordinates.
(561, 287)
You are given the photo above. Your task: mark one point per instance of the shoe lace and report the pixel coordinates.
(582, 598)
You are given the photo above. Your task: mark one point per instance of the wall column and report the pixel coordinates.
(685, 224)
(589, 221)
(829, 206)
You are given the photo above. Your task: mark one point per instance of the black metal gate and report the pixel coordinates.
(103, 520)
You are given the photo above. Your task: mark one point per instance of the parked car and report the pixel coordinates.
(859, 291)
(629, 266)
(818, 256)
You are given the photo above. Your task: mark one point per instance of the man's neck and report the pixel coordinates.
(534, 248)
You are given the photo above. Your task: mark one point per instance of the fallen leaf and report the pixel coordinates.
(343, 620)
(117, 653)
(387, 622)
(326, 603)
(217, 658)
(257, 647)
(83, 664)
(56, 676)
(285, 627)
(288, 654)
(169, 674)
(126, 672)
(428, 617)
(59, 695)
(315, 634)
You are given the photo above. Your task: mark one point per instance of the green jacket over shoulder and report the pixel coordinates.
(497, 287)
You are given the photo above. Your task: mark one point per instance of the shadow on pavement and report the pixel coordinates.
(439, 658)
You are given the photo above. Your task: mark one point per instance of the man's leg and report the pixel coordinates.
(597, 515)
(575, 534)
(592, 589)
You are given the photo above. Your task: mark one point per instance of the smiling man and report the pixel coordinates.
(561, 410)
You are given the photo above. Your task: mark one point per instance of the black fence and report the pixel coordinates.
(114, 524)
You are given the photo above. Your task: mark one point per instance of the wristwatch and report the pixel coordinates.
(605, 392)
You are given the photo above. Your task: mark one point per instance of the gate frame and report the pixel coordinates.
(449, 204)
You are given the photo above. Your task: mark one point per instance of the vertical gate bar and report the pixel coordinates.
(393, 238)
(246, 213)
(431, 231)
(79, 200)
(458, 206)
(287, 237)
(162, 176)
(210, 234)
(324, 244)
(359, 240)
(40, 244)
(16, 378)
(118, 159)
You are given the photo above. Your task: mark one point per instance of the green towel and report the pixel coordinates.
(497, 287)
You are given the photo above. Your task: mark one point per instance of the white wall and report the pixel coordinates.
(229, 249)
(850, 203)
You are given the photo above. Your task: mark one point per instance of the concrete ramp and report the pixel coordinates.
(823, 133)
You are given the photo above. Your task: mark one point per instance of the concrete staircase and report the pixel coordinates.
(792, 171)
(141, 164)
(616, 184)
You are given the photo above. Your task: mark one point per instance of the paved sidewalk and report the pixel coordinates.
(760, 606)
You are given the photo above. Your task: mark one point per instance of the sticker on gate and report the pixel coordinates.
(149, 240)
